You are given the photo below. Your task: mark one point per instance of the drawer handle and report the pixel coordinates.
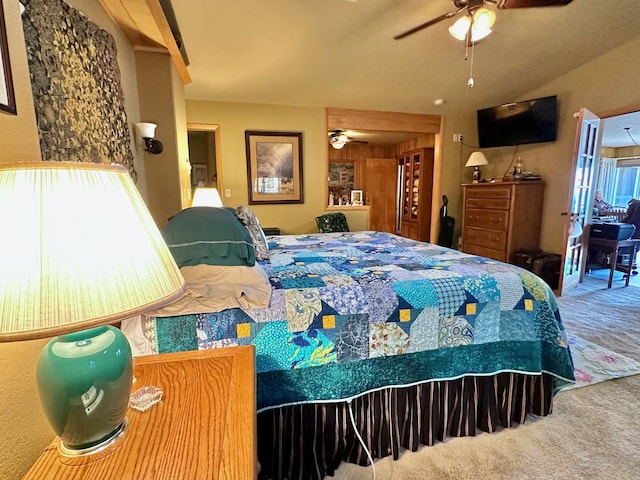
(474, 217)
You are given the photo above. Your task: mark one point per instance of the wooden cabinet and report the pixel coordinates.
(204, 427)
(499, 219)
(416, 189)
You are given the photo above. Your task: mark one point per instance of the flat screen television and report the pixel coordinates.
(517, 123)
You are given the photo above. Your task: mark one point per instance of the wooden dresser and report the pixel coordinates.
(501, 218)
(204, 427)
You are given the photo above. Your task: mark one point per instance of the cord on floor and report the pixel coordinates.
(355, 429)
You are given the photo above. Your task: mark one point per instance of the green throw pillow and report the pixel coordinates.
(209, 235)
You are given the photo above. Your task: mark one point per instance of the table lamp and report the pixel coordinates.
(206, 197)
(79, 251)
(476, 160)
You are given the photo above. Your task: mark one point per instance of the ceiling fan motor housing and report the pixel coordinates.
(470, 4)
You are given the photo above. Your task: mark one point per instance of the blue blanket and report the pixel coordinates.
(356, 312)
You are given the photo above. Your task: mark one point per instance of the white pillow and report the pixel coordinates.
(213, 288)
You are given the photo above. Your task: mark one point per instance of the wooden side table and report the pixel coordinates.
(204, 427)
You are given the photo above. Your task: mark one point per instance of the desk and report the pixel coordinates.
(204, 427)
(613, 247)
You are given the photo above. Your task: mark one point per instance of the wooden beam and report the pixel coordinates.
(144, 24)
(344, 118)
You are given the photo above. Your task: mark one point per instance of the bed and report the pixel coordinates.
(371, 343)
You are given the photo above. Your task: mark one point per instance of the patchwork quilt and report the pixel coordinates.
(355, 312)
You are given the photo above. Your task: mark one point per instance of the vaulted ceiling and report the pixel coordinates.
(341, 53)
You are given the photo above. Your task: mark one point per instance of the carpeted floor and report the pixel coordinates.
(593, 433)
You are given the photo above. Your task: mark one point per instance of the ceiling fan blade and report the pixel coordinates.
(503, 4)
(433, 21)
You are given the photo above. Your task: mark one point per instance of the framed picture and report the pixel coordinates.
(274, 167)
(198, 174)
(356, 197)
(7, 96)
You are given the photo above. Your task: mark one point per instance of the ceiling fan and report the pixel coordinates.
(339, 138)
(475, 12)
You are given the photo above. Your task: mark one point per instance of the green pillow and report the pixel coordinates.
(209, 235)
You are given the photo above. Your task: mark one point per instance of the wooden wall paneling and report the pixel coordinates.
(344, 118)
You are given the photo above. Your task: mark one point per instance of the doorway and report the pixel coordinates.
(204, 155)
(595, 135)
(416, 127)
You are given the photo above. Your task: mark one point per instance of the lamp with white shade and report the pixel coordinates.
(146, 133)
(80, 251)
(206, 197)
(476, 160)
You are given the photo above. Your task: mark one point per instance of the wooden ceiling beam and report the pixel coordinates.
(145, 25)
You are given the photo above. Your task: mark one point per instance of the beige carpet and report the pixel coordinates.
(593, 433)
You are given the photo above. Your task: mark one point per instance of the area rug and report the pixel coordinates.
(595, 364)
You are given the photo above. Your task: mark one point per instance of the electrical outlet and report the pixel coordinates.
(227, 193)
(457, 137)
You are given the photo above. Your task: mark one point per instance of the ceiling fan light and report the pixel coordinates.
(338, 141)
(477, 35)
(483, 18)
(460, 28)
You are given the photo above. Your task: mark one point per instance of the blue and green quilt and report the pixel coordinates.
(355, 312)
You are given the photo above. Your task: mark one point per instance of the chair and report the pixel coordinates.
(633, 216)
(332, 222)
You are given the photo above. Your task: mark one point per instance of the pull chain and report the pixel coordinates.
(471, 82)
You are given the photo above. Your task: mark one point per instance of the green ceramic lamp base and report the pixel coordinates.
(84, 383)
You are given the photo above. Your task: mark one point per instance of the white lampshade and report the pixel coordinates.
(483, 20)
(79, 249)
(146, 130)
(476, 159)
(206, 197)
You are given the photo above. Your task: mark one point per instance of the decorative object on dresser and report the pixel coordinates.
(414, 197)
(64, 267)
(476, 160)
(499, 219)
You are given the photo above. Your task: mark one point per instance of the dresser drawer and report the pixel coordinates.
(495, 239)
(488, 192)
(484, 252)
(494, 219)
(501, 203)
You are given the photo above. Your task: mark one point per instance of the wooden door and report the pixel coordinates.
(380, 185)
(584, 169)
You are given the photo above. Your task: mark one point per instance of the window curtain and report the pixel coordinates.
(607, 178)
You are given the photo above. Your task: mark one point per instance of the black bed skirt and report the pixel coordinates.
(309, 441)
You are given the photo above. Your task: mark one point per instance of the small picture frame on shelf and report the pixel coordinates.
(356, 198)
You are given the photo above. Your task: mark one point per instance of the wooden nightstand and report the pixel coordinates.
(204, 428)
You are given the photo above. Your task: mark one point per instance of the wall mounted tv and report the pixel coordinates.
(517, 123)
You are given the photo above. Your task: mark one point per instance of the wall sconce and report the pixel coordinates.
(146, 132)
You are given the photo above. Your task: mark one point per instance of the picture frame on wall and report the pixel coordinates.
(7, 95)
(198, 174)
(274, 167)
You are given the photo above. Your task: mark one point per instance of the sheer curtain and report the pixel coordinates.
(607, 178)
